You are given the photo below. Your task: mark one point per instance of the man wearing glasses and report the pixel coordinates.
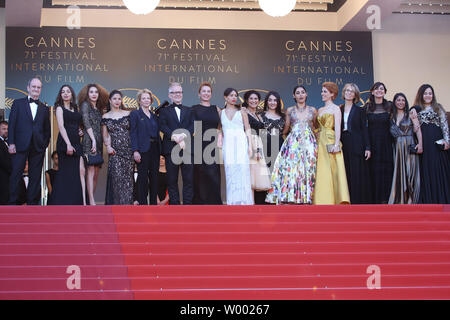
(177, 125)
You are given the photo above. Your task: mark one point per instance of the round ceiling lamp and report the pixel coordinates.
(141, 6)
(278, 8)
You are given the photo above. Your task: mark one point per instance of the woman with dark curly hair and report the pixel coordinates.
(92, 99)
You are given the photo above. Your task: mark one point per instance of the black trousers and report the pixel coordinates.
(35, 162)
(148, 175)
(187, 173)
(4, 189)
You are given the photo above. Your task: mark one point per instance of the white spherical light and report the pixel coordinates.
(141, 6)
(277, 8)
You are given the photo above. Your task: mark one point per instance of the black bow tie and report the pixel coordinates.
(31, 100)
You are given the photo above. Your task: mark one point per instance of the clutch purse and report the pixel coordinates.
(260, 175)
(331, 146)
(93, 160)
(412, 148)
(259, 172)
(440, 144)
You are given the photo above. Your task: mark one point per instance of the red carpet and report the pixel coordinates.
(225, 252)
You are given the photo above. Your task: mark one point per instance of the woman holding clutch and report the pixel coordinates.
(331, 183)
(92, 100)
(435, 162)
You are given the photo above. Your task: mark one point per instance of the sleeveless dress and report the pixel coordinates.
(236, 161)
(119, 183)
(294, 171)
(274, 129)
(406, 181)
(69, 166)
(206, 174)
(92, 119)
(331, 183)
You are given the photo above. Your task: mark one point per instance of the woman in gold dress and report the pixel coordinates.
(331, 180)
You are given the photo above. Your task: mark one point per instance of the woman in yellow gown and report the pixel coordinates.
(331, 179)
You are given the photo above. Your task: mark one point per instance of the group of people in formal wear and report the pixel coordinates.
(380, 152)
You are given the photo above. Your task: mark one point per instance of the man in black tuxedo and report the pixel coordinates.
(29, 135)
(5, 163)
(177, 124)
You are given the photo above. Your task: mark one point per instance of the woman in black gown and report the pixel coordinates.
(50, 175)
(163, 194)
(206, 164)
(435, 160)
(116, 136)
(355, 146)
(274, 121)
(381, 163)
(67, 188)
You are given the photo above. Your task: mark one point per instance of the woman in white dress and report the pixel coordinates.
(236, 151)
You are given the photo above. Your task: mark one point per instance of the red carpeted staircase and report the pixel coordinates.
(225, 252)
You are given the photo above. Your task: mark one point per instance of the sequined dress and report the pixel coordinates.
(294, 171)
(435, 163)
(92, 119)
(274, 130)
(119, 184)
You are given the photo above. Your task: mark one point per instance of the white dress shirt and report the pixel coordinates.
(178, 111)
(33, 107)
(346, 120)
(1, 138)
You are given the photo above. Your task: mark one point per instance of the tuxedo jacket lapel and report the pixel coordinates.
(174, 114)
(27, 107)
(182, 112)
(39, 111)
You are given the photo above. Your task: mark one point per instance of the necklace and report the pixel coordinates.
(253, 114)
(272, 116)
(301, 109)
